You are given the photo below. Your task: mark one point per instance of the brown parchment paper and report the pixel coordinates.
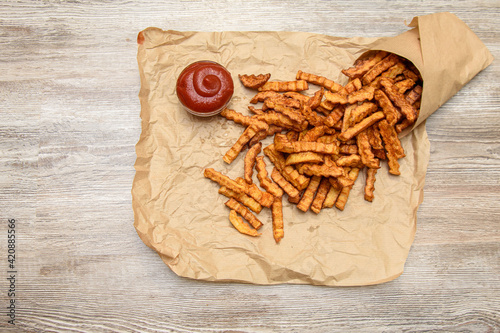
(179, 213)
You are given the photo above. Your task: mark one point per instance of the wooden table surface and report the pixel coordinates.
(69, 122)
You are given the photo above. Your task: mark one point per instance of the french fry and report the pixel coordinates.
(347, 149)
(362, 111)
(249, 161)
(404, 85)
(261, 96)
(277, 219)
(370, 184)
(282, 144)
(380, 67)
(344, 193)
(284, 184)
(223, 180)
(291, 113)
(362, 67)
(363, 94)
(315, 101)
(244, 212)
(289, 173)
(398, 99)
(319, 80)
(361, 126)
(278, 119)
(298, 85)
(334, 116)
(304, 157)
(319, 199)
(394, 71)
(365, 151)
(414, 95)
(241, 226)
(241, 198)
(235, 150)
(391, 113)
(237, 117)
(353, 160)
(392, 146)
(264, 180)
(335, 98)
(312, 117)
(308, 196)
(296, 96)
(328, 169)
(352, 86)
(332, 194)
(254, 81)
(261, 135)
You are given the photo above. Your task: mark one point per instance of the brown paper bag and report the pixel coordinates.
(179, 213)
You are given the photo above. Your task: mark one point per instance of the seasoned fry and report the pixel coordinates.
(363, 94)
(414, 95)
(344, 193)
(223, 180)
(361, 126)
(291, 113)
(304, 157)
(360, 69)
(284, 184)
(391, 113)
(370, 184)
(254, 81)
(248, 134)
(278, 119)
(308, 196)
(319, 199)
(244, 212)
(319, 80)
(282, 144)
(273, 129)
(289, 173)
(365, 151)
(277, 218)
(392, 146)
(362, 111)
(261, 96)
(352, 86)
(242, 198)
(397, 98)
(250, 157)
(237, 117)
(241, 226)
(264, 180)
(328, 169)
(380, 67)
(315, 101)
(404, 85)
(298, 85)
(335, 98)
(334, 116)
(332, 194)
(353, 160)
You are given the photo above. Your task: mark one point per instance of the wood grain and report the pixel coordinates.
(68, 126)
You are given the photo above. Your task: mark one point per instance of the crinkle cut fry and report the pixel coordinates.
(383, 65)
(370, 184)
(399, 99)
(392, 146)
(291, 113)
(304, 157)
(241, 226)
(332, 194)
(308, 196)
(290, 173)
(241, 198)
(237, 117)
(319, 80)
(344, 193)
(284, 184)
(281, 86)
(264, 180)
(365, 151)
(244, 212)
(249, 161)
(277, 219)
(319, 199)
(391, 113)
(253, 81)
(261, 96)
(281, 143)
(361, 126)
(248, 134)
(358, 70)
(223, 180)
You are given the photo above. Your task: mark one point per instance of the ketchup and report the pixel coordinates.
(204, 88)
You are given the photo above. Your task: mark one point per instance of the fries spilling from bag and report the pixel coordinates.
(322, 140)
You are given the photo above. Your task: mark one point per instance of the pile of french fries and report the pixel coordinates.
(322, 139)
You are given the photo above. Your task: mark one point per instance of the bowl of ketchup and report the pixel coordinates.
(204, 88)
